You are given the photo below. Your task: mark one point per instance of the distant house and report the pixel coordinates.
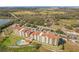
(16, 28)
(73, 35)
(21, 31)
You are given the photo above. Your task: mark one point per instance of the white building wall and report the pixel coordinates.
(47, 39)
(35, 37)
(38, 39)
(50, 41)
(20, 33)
(43, 39)
(55, 42)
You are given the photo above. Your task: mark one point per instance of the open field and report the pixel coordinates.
(41, 12)
(69, 22)
(71, 47)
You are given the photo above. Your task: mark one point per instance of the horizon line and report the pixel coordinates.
(39, 6)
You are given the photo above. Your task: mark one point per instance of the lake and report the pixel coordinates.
(4, 21)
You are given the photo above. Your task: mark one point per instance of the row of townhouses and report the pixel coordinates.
(40, 36)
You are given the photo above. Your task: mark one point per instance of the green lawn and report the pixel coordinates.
(11, 40)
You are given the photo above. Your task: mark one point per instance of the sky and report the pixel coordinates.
(39, 3)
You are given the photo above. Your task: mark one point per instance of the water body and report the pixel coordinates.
(4, 21)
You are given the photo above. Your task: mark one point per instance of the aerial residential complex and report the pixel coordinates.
(40, 36)
(39, 29)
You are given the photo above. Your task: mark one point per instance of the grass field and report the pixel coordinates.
(23, 12)
(11, 40)
(63, 23)
(52, 12)
(41, 12)
(68, 22)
